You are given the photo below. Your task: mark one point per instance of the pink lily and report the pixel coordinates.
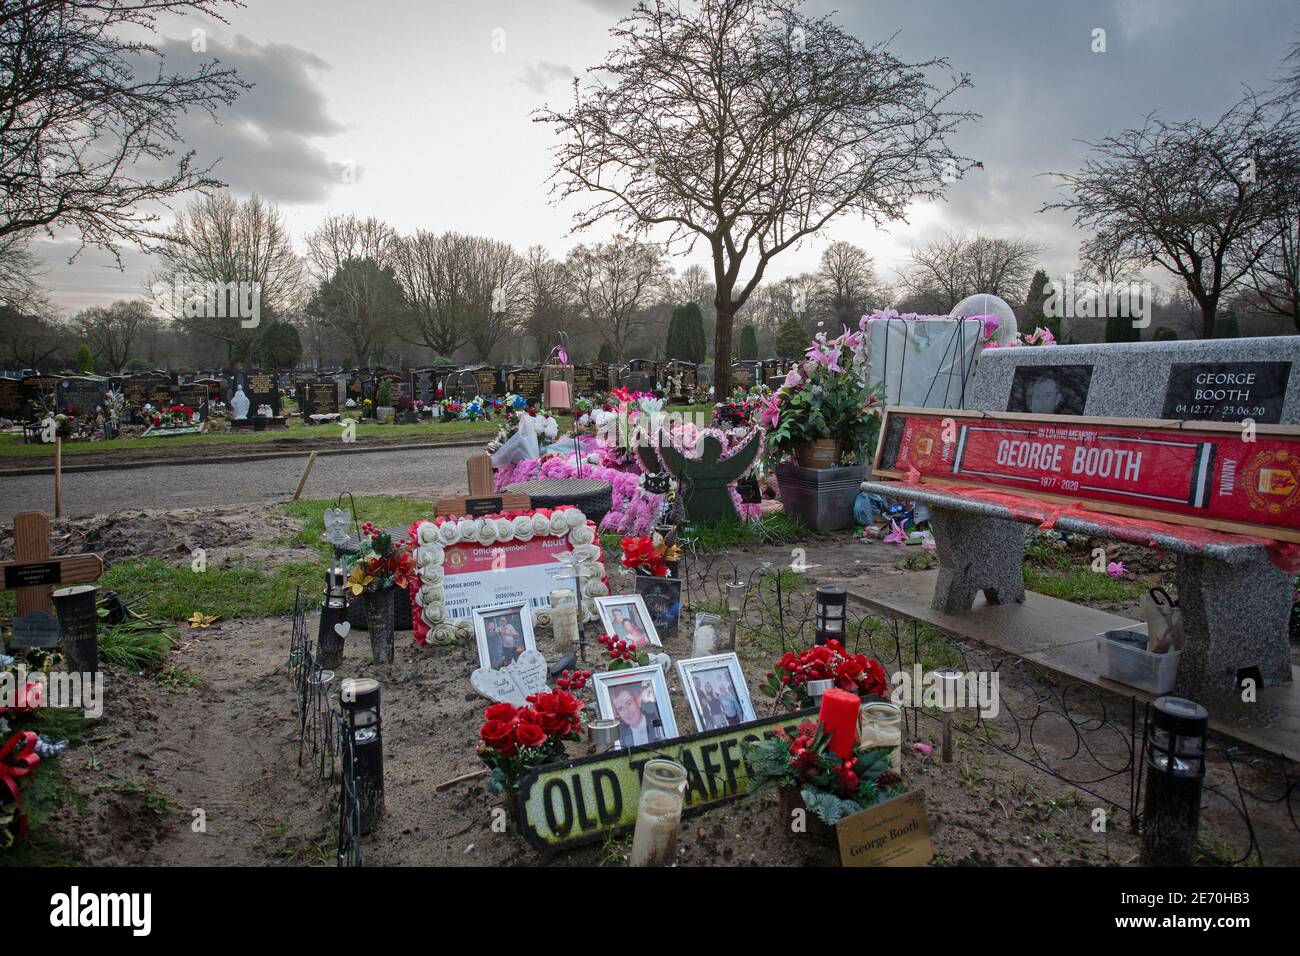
(1116, 569)
(896, 534)
(793, 378)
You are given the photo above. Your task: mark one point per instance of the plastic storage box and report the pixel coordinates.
(1127, 663)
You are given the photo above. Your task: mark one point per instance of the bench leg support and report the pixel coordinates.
(976, 553)
(1235, 617)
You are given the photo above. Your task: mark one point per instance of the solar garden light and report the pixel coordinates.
(817, 688)
(603, 735)
(333, 612)
(735, 605)
(947, 681)
(832, 603)
(79, 627)
(1175, 759)
(359, 697)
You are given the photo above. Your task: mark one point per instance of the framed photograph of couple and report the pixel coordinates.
(716, 690)
(638, 699)
(503, 632)
(626, 617)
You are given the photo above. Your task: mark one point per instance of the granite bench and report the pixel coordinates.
(1236, 602)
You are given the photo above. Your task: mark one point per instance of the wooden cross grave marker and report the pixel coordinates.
(32, 572)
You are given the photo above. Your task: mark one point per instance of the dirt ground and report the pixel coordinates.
(225, 752)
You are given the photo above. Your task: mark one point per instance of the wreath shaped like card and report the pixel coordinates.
(466, 543)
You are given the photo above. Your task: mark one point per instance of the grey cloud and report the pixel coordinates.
(539, 76)
(266, 141)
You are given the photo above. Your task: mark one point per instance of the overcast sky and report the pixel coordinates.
(418, 111)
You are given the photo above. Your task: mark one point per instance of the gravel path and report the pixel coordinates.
(435, 473)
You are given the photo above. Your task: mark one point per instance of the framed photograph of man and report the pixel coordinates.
(716, 691)
(1050, 389)
(626, 617)
(663, 597)
(638, 699)
(503, 632)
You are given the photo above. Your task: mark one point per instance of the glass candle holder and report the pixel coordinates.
(564, 620)
(881, 725)
(659, 813)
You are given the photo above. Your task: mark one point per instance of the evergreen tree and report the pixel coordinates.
(85, 360)
(1165, 334)
(694, 343)
(791, 338)
(1035, 306)
(1119, 328)
(1225, 327)
(606, 354)
(748, 346)
(278, 346)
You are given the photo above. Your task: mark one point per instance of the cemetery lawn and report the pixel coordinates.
(305, 437)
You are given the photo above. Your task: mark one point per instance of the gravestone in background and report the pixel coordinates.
(526, 382)
(639, 375)
(320, 398)
(12, 404)
(195, 397)
(600, 377)
(582, 380)
(746, 374)
(490, 381)
(260, 388)
(79, 396)
(37, 389)
(423, 385)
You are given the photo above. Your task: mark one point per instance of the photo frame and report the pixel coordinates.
(638, 699)
(502, 632)
(663, 597)
(626, 617)
(716, 691)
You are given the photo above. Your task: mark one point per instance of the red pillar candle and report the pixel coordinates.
(839, 716)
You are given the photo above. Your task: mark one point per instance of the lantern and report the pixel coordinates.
(1175, 762)
(832, 602)
(333, 629)
(79, 627)
(359, 697)
(817, 688)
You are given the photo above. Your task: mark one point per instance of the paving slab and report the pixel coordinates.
(1061, 637)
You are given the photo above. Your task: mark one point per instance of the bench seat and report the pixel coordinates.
(1236, 602)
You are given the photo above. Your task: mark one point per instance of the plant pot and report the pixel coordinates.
(385, 413)
(379, 623)
(259, 422)
(791, 809)
(821, 499)
(822, 453)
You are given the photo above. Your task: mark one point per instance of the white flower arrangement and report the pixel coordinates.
(435, 537)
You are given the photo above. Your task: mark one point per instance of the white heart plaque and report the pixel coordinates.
(514, 683)
(343, 628)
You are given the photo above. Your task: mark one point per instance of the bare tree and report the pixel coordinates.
(848, 284)
(114, 331)
(495, 293)
(216, 244)
(1105, 260)
(947, 270)
(1194, 198)
(613, 282)
(430, 269)
(547, 297)
(341, 238)
(32, 336)
(746, 125)
(694, 285)
(19, 271)
(81, 116)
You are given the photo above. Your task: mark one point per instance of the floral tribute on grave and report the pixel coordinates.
(463, 562)
(514, 740)
(21, 747)
(787, 682)
(823, 768)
